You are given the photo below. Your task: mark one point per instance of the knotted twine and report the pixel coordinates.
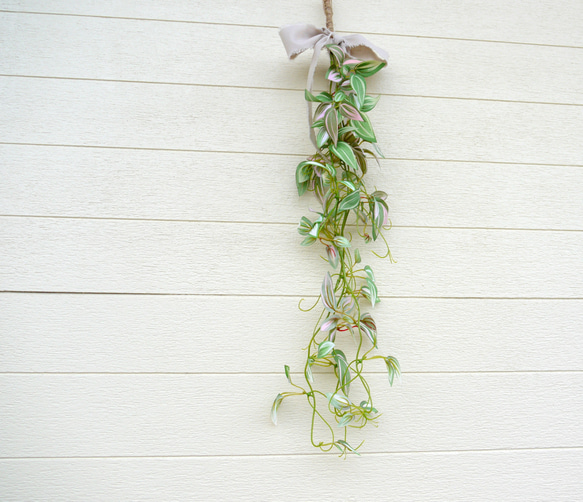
(298, 38)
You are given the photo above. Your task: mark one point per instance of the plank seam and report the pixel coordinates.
(279, 373)
(277, 27)
(298, 297)
(300, 155)
(378, 453)
(286, 89)
(283, 223)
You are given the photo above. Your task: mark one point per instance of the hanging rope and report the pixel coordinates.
(329, 14)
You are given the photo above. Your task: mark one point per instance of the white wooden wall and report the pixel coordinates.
(150, 267)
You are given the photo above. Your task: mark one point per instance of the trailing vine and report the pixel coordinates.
(344, 140)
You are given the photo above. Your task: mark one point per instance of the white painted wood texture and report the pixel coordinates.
(151, 269)
(74, 47)
(146, 184)
(164, 415)
(113, 256)
(149, 334)
(512, 476)
(518, 21)
(227, 119)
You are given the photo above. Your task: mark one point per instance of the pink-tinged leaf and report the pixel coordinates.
(334, 76)
(352, 61)
(369, 328)
(347, 304)
(328, 298)
(321, 115)
(331, 124)
(322, 138)
(350, 112)
(333, 256)
(330, 323)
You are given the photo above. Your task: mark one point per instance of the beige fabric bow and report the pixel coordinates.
(298, 38)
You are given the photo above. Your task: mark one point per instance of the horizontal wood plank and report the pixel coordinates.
(523, 21)
(512, 476)
(203, 258)
(75, 47)
(141, 415)
(137, 115)
(109, 183)
(127, 333)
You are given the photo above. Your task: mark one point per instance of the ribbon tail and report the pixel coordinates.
(317, 49)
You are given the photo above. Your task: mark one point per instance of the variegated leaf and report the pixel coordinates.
(359, 85)
(331, 124)
(349, 202)
(351, 113)
(275, 407)
(328, 297)
(324, 349)
(343, 371)
(344, 152)
(393, 368)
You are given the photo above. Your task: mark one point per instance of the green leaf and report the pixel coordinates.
(324, 97)
(324, 349)
(351, 201)
(357, 258)
(275, 407)
(349, 184)
(359, 85)
(344, 130)
(305, 226)
(368, 68)
(344, 152)
(345, 420)
(363, 128)
(394, 368)
(369, 272)
(369, 103)
(377, 149)
(304, 174)
(337, 52)
(343, 371)
(370, 292)
(308, 372)
(322, 138)
(286, 369)
(339, 96)
(338, 400)
(309, 240)
(331, 124)
(309, 96)
(302, 188)
(347, 446)
(341, 242)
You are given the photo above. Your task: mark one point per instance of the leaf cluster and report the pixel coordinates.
(345, 140)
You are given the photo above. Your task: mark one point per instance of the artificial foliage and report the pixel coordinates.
(345, 139)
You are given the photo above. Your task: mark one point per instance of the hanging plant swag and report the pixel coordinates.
(344, 137)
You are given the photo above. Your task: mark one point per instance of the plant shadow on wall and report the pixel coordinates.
(344, 139)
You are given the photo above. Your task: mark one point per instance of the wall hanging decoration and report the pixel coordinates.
(344, 138)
